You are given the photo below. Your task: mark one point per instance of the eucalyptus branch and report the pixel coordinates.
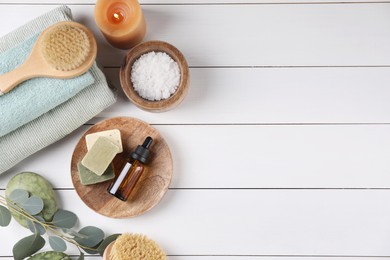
(46, 225)
(28, 206)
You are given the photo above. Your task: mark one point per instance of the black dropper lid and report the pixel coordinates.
(141, 153)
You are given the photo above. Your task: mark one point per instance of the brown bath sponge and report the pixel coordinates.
(136, 247)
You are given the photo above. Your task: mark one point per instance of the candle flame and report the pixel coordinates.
(117, 17)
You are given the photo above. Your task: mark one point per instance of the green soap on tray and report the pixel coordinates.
(88, 177)
(100, 156)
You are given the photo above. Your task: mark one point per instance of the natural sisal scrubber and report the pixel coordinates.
(64, 50)
(133, 247)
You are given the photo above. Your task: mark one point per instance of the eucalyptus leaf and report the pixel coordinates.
(33, 205)
(39, 218)
(5, 216)
(18, 196)
(64, 219)
(94, 236)
(73, 233)
(36, 227)
(27, 246)
(81, 257)
(92, 251)
(58, 244)
(106, 242)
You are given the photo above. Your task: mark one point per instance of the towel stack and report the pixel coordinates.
(41, 111)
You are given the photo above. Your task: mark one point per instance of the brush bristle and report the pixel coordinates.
(66, 47)
(136, 247)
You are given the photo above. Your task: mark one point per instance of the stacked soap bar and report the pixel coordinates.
(88, 177)
(112, 135)
(102, 147)
(100, 156)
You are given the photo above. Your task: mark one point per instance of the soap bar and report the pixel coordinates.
(113, 135)
(100, 156)
(88, 177)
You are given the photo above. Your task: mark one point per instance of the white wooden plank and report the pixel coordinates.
(294, 95)
(253, 157)
(206, 2)
(202, 257)
(267, 35)
(251, 222)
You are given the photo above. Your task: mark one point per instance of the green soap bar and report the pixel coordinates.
(100, 156)
(88, 177)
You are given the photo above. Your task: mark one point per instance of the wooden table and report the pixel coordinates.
(290, 99)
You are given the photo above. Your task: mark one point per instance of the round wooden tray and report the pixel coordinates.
(153, 183)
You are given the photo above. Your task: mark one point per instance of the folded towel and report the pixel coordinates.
(34, 97)
(63, 119)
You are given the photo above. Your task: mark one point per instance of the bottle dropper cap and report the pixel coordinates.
(142, 152)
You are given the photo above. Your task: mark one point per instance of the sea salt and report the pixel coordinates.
(155, 76)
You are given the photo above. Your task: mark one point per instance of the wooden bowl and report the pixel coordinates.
(107, 251)
(127, 85)
(153, 183)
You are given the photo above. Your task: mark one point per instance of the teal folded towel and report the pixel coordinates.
(34, 97)
(61, 120)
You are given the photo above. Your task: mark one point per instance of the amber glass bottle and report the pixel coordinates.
(125, 182)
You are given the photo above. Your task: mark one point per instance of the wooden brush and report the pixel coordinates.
(133, 247)
(64, 50)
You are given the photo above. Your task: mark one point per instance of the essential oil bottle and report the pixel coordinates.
(124, 183)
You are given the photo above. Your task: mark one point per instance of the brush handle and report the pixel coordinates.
(13, 78)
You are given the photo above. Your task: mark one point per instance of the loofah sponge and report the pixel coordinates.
(136, 247)
(66, 47)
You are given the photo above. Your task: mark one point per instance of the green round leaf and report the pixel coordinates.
(27, 246)
(50, 255)
(64, 219)
(57, 244)
(91, 251)
(40, 219)
(36, 227)
(33, 205)
(5, 216)
(18, 196)
(93, 235)
(73, 233)
(35, 185)
(106, 242)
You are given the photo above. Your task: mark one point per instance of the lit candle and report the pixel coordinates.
(121, 22)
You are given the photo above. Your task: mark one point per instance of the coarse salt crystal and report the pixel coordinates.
(155, 76)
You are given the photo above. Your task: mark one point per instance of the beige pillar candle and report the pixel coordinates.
(121, 22)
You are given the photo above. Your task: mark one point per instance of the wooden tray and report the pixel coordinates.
(153, 183)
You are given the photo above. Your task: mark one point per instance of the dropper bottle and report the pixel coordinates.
(125, 182)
